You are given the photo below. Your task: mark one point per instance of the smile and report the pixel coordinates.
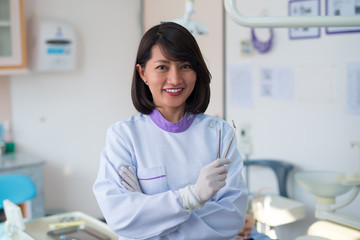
(174, 90)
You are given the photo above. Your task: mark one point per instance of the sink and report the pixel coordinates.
(321, 183)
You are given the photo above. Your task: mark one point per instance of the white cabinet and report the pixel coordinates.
(12, 37)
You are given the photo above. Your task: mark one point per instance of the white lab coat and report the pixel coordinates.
(164, 162)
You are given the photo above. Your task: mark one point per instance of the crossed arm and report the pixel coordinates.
(211, 179)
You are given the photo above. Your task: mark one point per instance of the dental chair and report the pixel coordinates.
(280, 168)
(273, 210)
(18, 189)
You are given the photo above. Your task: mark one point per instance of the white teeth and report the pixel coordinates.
(173, 90)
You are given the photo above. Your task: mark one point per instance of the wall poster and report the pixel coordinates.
(342, 8)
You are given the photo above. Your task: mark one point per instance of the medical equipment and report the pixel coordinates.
(17, 229)
(231, 140)
(14, 224)
(219, 150)
(54, 226)
(193, 26)
(77, 232)
(326, 186)
(281, 170)
(309, 21)
(272, 210)
(17, 188)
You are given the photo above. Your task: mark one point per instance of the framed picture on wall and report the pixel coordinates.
(342, 8)
(304, 8)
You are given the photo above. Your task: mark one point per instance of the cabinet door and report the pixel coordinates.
(12, 35)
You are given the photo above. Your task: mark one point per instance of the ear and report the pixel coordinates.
(141, 72)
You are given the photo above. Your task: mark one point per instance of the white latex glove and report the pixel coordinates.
(211, 179)
(130, 180)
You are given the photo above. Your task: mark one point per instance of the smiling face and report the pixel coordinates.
(170, 83)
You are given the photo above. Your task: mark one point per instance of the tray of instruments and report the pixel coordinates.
(81, 232)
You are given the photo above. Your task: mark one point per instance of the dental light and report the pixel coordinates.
(193, 26)
(287, 22)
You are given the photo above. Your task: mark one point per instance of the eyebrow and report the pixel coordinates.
(161, 61)
(168, 61)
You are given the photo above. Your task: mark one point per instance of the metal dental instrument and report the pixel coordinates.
(232, 137)
(219, 142)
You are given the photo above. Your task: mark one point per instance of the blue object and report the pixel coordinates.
(57, 51)
(280, 168)
(255, 235)
(17, 188)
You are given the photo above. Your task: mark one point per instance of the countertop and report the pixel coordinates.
(18, 160)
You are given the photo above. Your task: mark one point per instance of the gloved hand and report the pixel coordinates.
(130, 180)
(211, 179)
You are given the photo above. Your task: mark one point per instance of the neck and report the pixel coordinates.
(172, 115)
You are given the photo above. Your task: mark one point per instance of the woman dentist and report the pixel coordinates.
(160, 174)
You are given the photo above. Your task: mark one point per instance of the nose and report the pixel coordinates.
(174, 76)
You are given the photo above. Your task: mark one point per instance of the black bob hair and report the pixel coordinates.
(177, 44)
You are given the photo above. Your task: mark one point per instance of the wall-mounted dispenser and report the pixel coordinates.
(53, 47)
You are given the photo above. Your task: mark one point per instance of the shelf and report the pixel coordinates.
(14, 71)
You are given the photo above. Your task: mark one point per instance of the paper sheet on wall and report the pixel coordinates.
(316, 83)
(353, 88)
(277, 83)
(241, 85)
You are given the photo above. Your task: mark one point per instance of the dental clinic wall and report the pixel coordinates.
(62, 118)
(308, 126)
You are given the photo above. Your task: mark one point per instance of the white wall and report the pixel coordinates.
(62, 117)
(313, 130)
(5, 112)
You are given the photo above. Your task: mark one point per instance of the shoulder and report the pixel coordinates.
(205, 117)
(212, 120)
(133, 121)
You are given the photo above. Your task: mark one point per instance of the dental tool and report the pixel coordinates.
(219, 142)
(231, 140)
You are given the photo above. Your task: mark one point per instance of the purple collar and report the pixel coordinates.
(175, 127)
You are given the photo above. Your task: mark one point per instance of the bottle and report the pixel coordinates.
(7, 136)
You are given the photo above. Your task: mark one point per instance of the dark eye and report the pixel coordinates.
(161, 67)
(186, 66)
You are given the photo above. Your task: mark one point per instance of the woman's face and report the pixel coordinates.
(170, 82)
